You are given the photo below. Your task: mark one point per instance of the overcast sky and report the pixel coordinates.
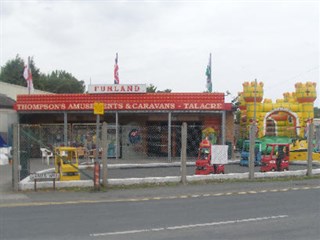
(167, 43)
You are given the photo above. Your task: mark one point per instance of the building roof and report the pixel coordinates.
(6, 102)
(12, 90)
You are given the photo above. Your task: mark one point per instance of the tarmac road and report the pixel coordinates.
(276, 210)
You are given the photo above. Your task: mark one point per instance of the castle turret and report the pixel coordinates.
(306, 95)
(253, 95)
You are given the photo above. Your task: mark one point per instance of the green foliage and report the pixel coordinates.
(63, 82)
(12, 72)
(57, 81)
(152, 89)
(166, 91)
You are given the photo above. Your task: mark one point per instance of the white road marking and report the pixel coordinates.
(189, 226)
(156, 198)
(252, 192)
(241, 193)
(183, 196)
(218, 194)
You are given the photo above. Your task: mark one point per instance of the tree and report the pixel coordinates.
(166, 91)
(63, 82)
(12, 72)
(152, 89)
(58, 81)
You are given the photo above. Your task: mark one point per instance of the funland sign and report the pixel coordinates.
(117, 88)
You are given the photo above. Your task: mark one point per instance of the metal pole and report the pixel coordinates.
(65, 128)
(16, 157)
(117, 135)
(223, 127)
(183, 168)
(169, 137)
(104, 146)
(253, 135)
(317, 137)
(251, 155)
(97, 137)
(29, 69)
(310, 149)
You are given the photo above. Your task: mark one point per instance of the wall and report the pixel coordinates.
(12, 90)
(7, 118)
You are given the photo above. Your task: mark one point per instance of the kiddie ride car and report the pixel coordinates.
(245, 153)
(211, 158)
(276, 157)
(66, 163)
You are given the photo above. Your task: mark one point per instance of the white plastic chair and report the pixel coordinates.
(46, 155)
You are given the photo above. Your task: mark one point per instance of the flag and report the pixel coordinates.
(116, 71)
(208, 74)
(28, 76)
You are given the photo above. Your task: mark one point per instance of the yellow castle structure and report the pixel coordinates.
(286, 117)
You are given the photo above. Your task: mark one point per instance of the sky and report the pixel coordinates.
(168, 43)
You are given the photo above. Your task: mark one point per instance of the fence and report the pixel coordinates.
(138, 144)
(129, 142)
(132, 142)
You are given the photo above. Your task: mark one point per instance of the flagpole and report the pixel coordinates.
(28, 82)
(116, 71)
(210, 73)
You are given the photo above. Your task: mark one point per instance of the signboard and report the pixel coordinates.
(219, 154)
(123, 102)
(47, 175)
(117, 88)
(120, 106)
(98, 108)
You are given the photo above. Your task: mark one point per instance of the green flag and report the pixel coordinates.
(208, 74)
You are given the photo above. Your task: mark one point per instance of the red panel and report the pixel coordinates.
(145, 101)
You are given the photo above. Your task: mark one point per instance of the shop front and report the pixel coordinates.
(140, 124)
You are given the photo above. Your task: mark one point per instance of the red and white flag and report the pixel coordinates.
(116, 71)
(28, 77)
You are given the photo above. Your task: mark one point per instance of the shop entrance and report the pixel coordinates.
(157, 138)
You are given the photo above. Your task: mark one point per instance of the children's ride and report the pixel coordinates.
(245, 153)
(287, 117)
(276, 157)
(211, 158)
(66, 163)
(299, 151)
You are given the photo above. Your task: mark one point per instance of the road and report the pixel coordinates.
(256, 214)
